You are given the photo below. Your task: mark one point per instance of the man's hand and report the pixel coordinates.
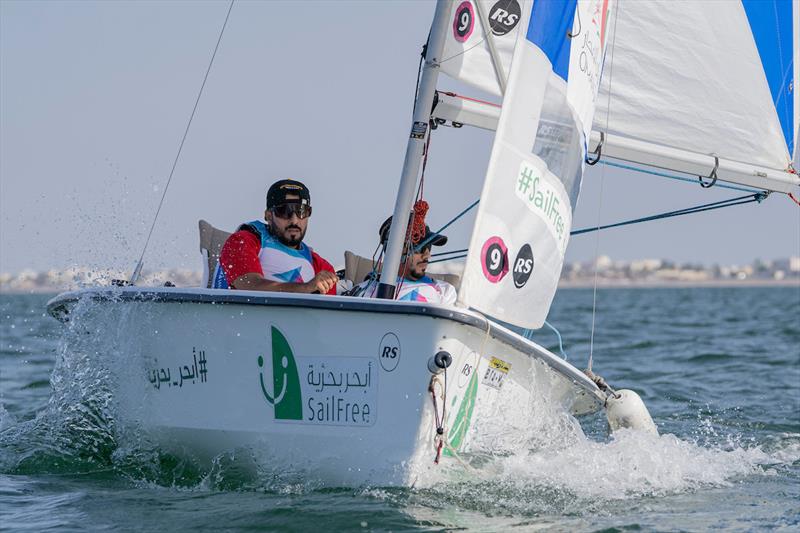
(322, 282)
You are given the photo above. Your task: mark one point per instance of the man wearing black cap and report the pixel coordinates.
(272, 256)
(413, 284)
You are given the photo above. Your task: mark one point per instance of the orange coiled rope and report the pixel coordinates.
(418, 223)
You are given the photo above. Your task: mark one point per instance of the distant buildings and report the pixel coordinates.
(640, 272)
(77, 277)
(660, 272)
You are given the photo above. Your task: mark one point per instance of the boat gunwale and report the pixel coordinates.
(57, 305)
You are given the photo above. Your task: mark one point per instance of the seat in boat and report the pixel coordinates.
(211, 241)
(356, 267)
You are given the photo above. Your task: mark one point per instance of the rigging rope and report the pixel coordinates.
(447, 259)
(668, 214)
(528, 334)
(757, 197)
(440, 438)
(739, 200)
(560, 343)
(671, 176)
(437, 254)
(139, 264)
(436, 234)
(602, 182)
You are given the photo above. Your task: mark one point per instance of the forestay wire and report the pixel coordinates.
(600, 199)
(137, 271)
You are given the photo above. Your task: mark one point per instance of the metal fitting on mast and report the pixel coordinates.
(414, 150)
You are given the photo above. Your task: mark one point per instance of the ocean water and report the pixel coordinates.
(718, 368)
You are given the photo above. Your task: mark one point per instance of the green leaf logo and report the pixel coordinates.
(286, 397)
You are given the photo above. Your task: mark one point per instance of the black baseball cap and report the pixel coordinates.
(276, 195)
(438, 240)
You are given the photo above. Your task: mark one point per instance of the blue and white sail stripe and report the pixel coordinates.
(688, 79)
(771, 25)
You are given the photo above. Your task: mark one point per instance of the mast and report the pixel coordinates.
(416, 144)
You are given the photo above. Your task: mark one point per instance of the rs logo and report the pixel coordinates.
(523, 266)
(504, 16)
(389, 352)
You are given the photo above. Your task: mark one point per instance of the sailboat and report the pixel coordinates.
(349, 391)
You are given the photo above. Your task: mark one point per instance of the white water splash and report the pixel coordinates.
(7, 420)
(551, 462)
(631, 464)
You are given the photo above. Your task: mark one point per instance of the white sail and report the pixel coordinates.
(686, 85)
(522, 227)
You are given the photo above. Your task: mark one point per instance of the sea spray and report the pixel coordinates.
(551, 465)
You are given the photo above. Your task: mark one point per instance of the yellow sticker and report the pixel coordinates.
(496, 372)
(499, 364)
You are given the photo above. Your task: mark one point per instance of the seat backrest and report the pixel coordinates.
(211, 241)
(356, 268)
(452, 279)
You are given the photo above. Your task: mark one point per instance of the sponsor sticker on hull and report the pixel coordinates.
(339, 391)
(496, 373)
(196, 371)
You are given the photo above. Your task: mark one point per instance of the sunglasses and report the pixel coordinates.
(422, 250)
(286, 211)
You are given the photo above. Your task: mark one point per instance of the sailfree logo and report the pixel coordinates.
(544, 195)
(332, 391)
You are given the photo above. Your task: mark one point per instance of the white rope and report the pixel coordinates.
(435, 380)
(602, 183)
(136, 271)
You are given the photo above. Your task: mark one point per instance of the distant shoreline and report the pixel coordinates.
(718, 283)
(582, 284)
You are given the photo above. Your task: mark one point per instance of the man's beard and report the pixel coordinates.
(414, 273)
(288, 240)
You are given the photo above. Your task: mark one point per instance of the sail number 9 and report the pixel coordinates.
(494, 259)
(463, 22)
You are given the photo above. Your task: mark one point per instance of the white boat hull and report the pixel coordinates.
(333, 389)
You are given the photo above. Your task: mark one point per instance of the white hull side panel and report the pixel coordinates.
(188, 374)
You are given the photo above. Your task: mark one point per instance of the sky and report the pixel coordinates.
(95, 97)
